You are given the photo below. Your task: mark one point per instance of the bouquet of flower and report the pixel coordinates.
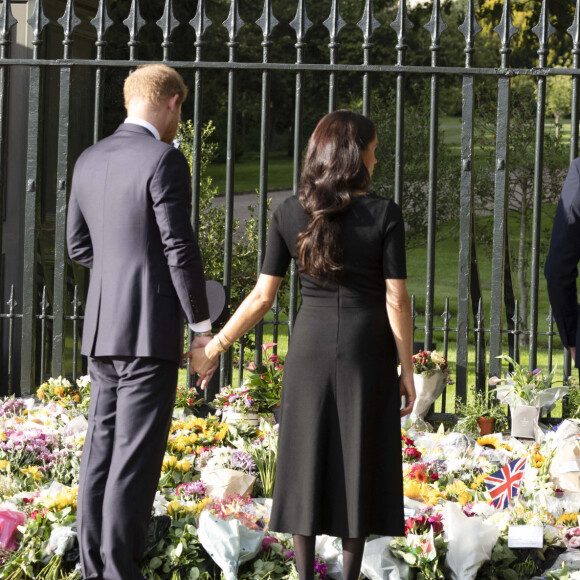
(266, 380)
(532, 388)
(231, 532)
(60, 390)
(431, 374)
(240, 400)
(423, 545)
(186, 398)
(427, 362)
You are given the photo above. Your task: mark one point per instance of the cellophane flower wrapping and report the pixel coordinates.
(229, 542)
(545, 400)
(379, 564)
(9, 522)
(231, 530)
(469, 542)
(428, 387)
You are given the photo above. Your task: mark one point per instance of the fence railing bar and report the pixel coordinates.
(301, 25)
(200, 22)
(62, 185)
(43, 317)
(543, 31)
(11, 317)
(334, 23)
(101, 23)
(368, 24)
(76, 304)
(436, 27)
(233, 24)
(32, 206)
(267, 22)
(401, 25)
(470, 28)
(505, 30)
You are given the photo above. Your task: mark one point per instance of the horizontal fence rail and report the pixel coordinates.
(43, 297)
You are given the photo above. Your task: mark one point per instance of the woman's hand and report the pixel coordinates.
(407, 390)
(204, 364)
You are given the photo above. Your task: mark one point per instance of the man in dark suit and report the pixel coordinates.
(129, 221)
(561, 268)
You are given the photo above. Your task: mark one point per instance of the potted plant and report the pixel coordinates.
(480, 416)
(529, 394)
(265, 380)
(237, 404)
(430, 375)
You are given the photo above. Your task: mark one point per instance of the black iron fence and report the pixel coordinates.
(65, 92)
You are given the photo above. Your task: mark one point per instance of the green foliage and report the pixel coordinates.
(481, 405)
(416, 168)
(212, 230)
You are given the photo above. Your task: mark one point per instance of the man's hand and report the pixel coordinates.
(198, 362)
(407, 390)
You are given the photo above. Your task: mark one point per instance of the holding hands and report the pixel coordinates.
(204, 355)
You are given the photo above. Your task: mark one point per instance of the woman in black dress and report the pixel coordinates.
(339, 455)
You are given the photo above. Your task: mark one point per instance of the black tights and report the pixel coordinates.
(352, 553)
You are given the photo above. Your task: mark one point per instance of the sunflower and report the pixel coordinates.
(489, 441)
(421, 491)
(570, 520)
(457, 491)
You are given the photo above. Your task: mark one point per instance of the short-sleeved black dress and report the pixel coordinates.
(339, 453)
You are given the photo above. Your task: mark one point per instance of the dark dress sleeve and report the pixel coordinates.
(278, 255)
(394, 261)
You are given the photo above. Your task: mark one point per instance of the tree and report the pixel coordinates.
(558, 99)
(521, 172)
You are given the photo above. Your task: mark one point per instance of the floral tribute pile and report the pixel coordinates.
(463, 521)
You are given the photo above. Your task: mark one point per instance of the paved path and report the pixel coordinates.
(243, 200)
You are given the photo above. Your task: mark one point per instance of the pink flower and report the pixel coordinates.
(268, 345)
(412, 452)
(574, 542)
(251, 366)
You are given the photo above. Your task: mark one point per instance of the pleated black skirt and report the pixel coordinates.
(339, 453)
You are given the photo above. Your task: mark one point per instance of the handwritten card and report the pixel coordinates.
(526, 537)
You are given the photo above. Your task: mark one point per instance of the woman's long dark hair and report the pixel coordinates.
(332, 172)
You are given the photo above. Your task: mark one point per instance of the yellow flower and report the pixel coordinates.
(199, 507)
(477, 483)
(489, 441)
(538, 460)
(3, 437)
(33, 472)
(457, 491)
(183, 465)
(4, 464)
(570, 520)
(169, 462)
(174, 509)
(421, 491)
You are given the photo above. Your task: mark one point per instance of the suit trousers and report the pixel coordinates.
(132, 400)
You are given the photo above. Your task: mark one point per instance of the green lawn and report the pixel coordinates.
(247, 172)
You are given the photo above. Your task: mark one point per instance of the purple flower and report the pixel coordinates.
(536, 372)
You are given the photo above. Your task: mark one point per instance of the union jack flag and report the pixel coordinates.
(504, 484)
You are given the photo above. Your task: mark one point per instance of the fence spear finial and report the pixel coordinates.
(37, 22)
(470, 29)
(69, 21)
(267, 22)
(102, 22)
(368, 23)
(301, 22)
(134, 22)
(233, 22)
(334, 23)
(505, 29)
(436, 26)
(168, 23)
(7, 21)
(574, 30)
(543, 30)
(200, 21)
(401, 25)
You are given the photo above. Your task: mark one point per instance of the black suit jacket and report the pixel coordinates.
(129, 220)
(561, 268)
